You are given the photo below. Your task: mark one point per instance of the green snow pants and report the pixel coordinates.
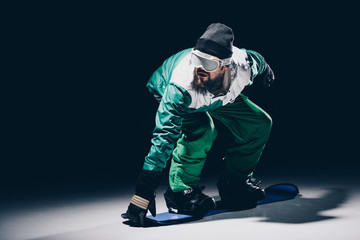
(249, 126)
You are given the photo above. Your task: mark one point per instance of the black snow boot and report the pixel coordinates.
(191, 201)
(240, 194)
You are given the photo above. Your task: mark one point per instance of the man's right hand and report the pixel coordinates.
(136, 212)
(144, 198)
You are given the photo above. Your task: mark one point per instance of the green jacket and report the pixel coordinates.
(172, 84)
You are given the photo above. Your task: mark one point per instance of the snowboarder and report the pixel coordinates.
(193, 87)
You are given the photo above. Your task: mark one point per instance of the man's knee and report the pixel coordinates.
(266, 123)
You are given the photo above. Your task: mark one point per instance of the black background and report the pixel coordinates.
(78, 114)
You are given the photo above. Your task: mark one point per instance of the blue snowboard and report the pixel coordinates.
(274, 193)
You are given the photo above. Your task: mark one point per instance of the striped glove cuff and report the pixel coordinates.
(140, 202)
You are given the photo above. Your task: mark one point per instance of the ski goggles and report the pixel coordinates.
(207, 62)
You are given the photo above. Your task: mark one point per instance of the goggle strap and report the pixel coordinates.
(225, 61)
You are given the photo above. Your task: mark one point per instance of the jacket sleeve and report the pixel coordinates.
(167, 130)
(161, 77)
(257, 63)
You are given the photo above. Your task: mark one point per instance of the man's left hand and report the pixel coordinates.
(269, 76)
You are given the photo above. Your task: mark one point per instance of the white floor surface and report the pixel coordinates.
(329, 209)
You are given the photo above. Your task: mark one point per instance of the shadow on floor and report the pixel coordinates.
(298, 210)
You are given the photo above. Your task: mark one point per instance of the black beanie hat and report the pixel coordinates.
(217, 41)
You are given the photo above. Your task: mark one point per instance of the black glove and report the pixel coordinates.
(144, 198)
(269, 76)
